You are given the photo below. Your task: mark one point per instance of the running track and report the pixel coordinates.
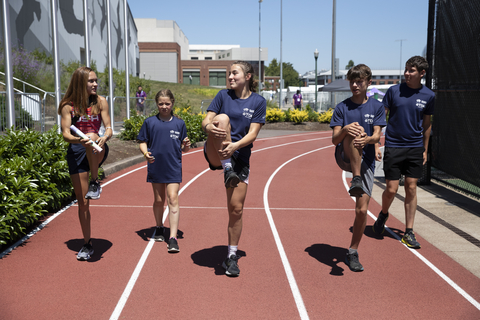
(297, 228)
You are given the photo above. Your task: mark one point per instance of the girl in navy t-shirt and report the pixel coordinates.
(163, 138)
(233, 121)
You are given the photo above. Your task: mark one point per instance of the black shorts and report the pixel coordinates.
(406, 161)
(241, 168)
(77, 158)
(140, 107)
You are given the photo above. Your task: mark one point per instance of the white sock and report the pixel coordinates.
(232, 250)
(226, 163)
(352, 251)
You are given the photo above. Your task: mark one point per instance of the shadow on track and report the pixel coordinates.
(328, 255)
(213, 258)
(99, 245)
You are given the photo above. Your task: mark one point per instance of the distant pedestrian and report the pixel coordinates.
(233, 121)
(141, 98)
(410, 108)
(297, 100)
(357, 125)
(163, 138)
(82, 107)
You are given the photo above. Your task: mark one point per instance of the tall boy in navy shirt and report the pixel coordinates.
(410, 106)
(357, 123)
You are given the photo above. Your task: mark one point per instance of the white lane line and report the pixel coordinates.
(442, 275)
(286, 264)
(136, 273)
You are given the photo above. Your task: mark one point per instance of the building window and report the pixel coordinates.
(228, 54)
(223, 55)
(191, 77)
(382, 77)
(382, 82)
(390, 82)
(217, 78)
(193, 58)
(219, 57)
(208, 58)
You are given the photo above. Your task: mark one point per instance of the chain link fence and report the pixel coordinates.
(455, 70)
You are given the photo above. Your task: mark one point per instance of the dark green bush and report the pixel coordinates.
(131, 127)
(33, 179)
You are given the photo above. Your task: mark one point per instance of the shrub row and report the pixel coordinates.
(34, 179)
(298, 116)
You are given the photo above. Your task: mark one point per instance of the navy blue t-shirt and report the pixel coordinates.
(407, 107)
(368, 115)
(164, 141)
(242, 112)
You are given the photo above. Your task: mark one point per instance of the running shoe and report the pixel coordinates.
(352, 262)
(231, 267)
(159, 231)
(86, 252)
(356, 189)
(173, 245)
(410, 240)
(379, 225)
(94, 190)
(231, 178)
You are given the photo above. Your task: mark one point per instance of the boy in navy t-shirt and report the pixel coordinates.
(357, 125)
(410, 106)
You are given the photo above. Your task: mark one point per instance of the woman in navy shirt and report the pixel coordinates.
(233, 121)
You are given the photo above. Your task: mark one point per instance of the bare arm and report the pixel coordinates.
(106, 122)
(427, 129)
(66, 122)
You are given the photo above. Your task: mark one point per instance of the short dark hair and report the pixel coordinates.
(360, 71)
(419, 62)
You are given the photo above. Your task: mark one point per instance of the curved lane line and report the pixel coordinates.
(442, 275)
(286, 265)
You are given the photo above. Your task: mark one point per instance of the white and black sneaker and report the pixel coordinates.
(173, 245)
(159, 231)
(86, 252)
(231, 266)
(94, 190)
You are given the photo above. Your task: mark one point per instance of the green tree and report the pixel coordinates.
(350, 64)
(290, 75)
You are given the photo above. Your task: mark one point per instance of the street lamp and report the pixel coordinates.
(259, 47)
(316, 57)
(401, 40)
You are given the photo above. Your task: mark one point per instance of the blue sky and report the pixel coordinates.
(366, 30)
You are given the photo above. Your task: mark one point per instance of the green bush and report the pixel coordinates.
(299, 116)
(326, 117)
(312, 114)
(131, 127)
(34, 179)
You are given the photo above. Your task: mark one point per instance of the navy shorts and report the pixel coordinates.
(241, 168)
(77, 158)
(406, 161)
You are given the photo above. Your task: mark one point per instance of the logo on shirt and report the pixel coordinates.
(174, 134)
(421, 104)
(86, 118)
(369, 118)
(247, 113)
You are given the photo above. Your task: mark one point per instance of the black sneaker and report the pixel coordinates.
(86, 252)
(356, 189)
(173, 245)
(231, 267)
(231, 178)
(159, 234)
(379, 225)
(352, 262)
(94, 190)
(410, 240)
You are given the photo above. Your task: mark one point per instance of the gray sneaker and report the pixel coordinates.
(94, 190)
(159, 231)
(173, 245)
(356, 189)
(352, 262)
(410, 240)
(231, 178)
(86, 252)
(231, 267)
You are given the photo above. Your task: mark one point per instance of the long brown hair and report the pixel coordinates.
(247, 68)
(77, 94)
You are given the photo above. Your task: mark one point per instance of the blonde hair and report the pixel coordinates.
(165, 93)
(77, 94)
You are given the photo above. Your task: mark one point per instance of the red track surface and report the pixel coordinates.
(310, 210)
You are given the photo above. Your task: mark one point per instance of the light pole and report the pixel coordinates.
(259, 46)
(401, 40)
(316, 57)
